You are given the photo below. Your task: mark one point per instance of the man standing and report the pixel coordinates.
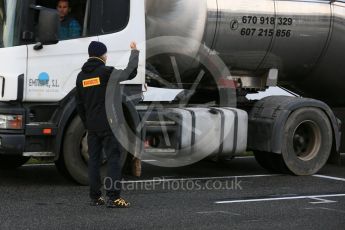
(69, 27)
(91, 87)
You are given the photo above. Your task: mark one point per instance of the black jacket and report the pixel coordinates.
(91, 87)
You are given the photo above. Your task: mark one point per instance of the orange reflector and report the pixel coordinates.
(47, 131)
(16, 122)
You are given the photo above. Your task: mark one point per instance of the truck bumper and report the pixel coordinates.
(12, 144)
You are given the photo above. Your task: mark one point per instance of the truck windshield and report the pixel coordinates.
(9, 23)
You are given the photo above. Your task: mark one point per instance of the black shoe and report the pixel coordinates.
(97, 202)
(118, 203)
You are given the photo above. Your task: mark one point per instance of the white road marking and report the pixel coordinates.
(200, 178)
(279, 198)
(328, 209)
(332, 209)
(322, 201)
(330, 177)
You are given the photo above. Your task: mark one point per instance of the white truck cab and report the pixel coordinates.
(38, 72)
(49, 71)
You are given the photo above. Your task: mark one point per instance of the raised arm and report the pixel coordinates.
(131, 71)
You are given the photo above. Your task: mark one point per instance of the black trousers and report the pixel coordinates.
(97, 142)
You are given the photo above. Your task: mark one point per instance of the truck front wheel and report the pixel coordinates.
(73, 147)
(75, 153)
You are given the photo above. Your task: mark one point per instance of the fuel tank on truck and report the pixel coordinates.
(304, 40)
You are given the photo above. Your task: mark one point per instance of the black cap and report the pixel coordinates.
(97, 49)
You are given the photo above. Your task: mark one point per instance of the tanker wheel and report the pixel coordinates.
(307, 141)
(75, 153)
(12, 162)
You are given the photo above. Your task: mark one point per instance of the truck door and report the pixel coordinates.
(52, 70)
(13, 54)
(123, 21)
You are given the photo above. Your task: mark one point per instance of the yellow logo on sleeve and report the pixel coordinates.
(91, 82)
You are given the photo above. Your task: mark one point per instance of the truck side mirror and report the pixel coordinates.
(48, 26)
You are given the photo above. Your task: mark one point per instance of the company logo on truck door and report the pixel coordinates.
(43, 80)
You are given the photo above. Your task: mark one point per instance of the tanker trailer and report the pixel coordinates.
(296, 45)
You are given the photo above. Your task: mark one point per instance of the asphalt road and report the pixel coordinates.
(233, 195)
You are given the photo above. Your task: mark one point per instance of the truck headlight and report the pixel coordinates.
(11, 121)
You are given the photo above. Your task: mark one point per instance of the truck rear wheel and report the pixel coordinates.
(12, 162)
(306, 146)
(307, 141)
(75, 153)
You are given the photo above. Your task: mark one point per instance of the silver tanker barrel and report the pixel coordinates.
(286, 35)
(299, 38)
(185, 18)
(167, 19)
(327, 79)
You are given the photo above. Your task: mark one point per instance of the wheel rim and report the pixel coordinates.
(307, 140)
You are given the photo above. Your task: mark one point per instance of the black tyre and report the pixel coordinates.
(60, 165)
(75, 153)
(12, 162)
(263, 158)
(272, 162)
(307, 141)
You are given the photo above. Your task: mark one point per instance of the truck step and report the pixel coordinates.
(38, 154)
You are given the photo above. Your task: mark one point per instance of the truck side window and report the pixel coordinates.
(115, 15)
(75, 24)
